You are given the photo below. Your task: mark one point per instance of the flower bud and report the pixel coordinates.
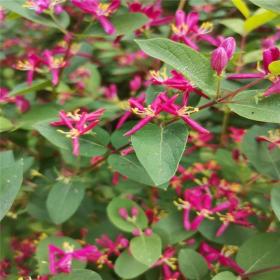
(134, 212)
(229, 45)
(148, 232)
(219, 60)
(123, 213)
(136, 232)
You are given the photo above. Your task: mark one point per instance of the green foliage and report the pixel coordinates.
(76, 274)
(154, 147)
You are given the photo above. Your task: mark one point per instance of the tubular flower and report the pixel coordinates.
(162, 103)
(54, 64)
(100, 11)
(61, 260)
(186, 29)
(21, 103)
(41, 6)
(273, 139)
(213, 255)
(270, 57)
(152, 11)
(222, 55)
(29, 65)
(79, 124)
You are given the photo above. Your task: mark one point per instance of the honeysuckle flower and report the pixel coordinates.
(237, 216)
(213, 255)
(20, 101)
(162, 103)
(222, 55)
(110, 92)
(199, 200)
(61, 260)
(135, 83)
(100, 11)
(112, 247)
(30, 64)
(79, 124)
(269, 56)
(140, 100)
(273, 139)
(41, 6)
(237, 134)
(130, 58)
(152, 11)
(54, 64)
(186, 29)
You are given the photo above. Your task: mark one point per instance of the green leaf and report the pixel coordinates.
(78, 274)
(5, 124)
(24, 88)
(191, 63)
(260, 18)
(125, 24)
(275, 201)
(42, 252)
(16, 6)
(225, 275)
(272, 5)
(234, 235)
(274, 67)
(10, 181)
(246, 105)
(235, 24)
(265, 161)
(242, 7)
(159, 149)
(260, 252)
(171, 230)
(64, 199)
(130, 166)
(127, 267)
(146, 249)
(89, 144)
(192, 264)
(113, 214)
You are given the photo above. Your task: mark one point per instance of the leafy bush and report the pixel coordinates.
(140, 139)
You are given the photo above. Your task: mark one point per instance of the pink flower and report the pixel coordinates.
(41, 6)
(237, 134)
(212, 255)
(110, 92)
(162, 103)
(100, 11)
(112, 247)
(186, 29)
(135, 83)
(273, 139)
(30, 65)
(269, 55)
(222, 55)
(61, 260)
(152, 11)
(54, 64)
(177, 81)
(20, 101)
(79, 124)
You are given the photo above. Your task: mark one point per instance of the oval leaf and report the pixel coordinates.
(113, 214)
(63, 200)
(247, 105)
(160, 149)
(146, 249)
(192, 64)
(192, 264)
(225, 275)
(127, 267)
(260, 252)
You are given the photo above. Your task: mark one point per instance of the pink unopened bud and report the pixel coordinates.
(229, 45)
(136, 232)
(148, 232)
(134, 212)
(123, 213)
(219, 60)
